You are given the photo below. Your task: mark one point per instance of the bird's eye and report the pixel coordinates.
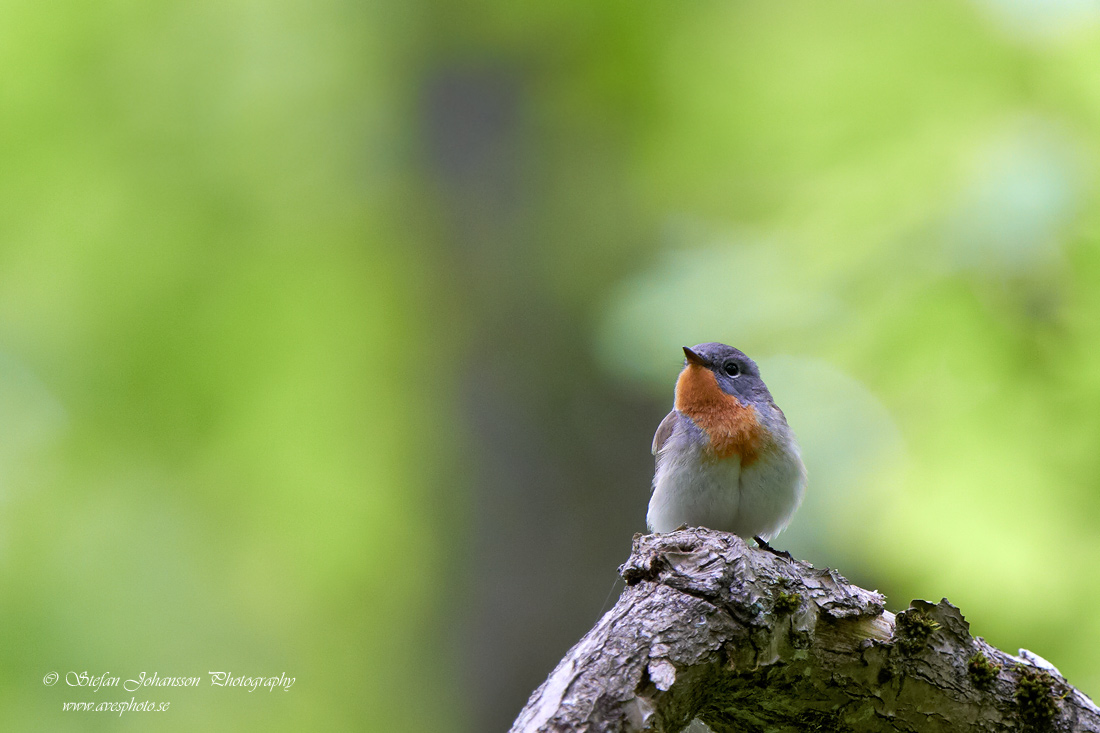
(731, 368)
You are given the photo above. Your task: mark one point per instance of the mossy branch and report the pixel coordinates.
(744, 640)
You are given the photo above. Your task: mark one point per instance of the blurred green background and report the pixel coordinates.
(333, 335)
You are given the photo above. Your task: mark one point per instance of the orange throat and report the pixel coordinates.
(733, 428)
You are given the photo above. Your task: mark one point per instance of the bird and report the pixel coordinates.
(725, 457)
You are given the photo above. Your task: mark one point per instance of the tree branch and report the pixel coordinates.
(744, 640)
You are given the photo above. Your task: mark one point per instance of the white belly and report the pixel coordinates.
(690, 489)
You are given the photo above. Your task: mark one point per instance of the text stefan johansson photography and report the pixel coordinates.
(217, 679)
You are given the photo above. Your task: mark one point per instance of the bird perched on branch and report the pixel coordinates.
(726, 458)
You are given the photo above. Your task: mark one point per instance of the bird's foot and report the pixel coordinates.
(765, 546)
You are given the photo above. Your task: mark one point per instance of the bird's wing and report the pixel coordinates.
(664, 430)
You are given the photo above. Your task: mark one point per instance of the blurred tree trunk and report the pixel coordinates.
(558, 453)
(745, 640)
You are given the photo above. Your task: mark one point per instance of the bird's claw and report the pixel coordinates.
(763, 544)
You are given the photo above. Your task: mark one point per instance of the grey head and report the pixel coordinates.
(736, 373)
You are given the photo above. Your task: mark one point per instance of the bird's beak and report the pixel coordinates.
(693, 358)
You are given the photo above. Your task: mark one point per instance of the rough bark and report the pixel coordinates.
(745, 640)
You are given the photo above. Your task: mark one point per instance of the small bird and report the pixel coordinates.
(726, 458)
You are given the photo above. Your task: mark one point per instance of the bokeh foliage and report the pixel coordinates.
(219, 464)
(280, 280)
